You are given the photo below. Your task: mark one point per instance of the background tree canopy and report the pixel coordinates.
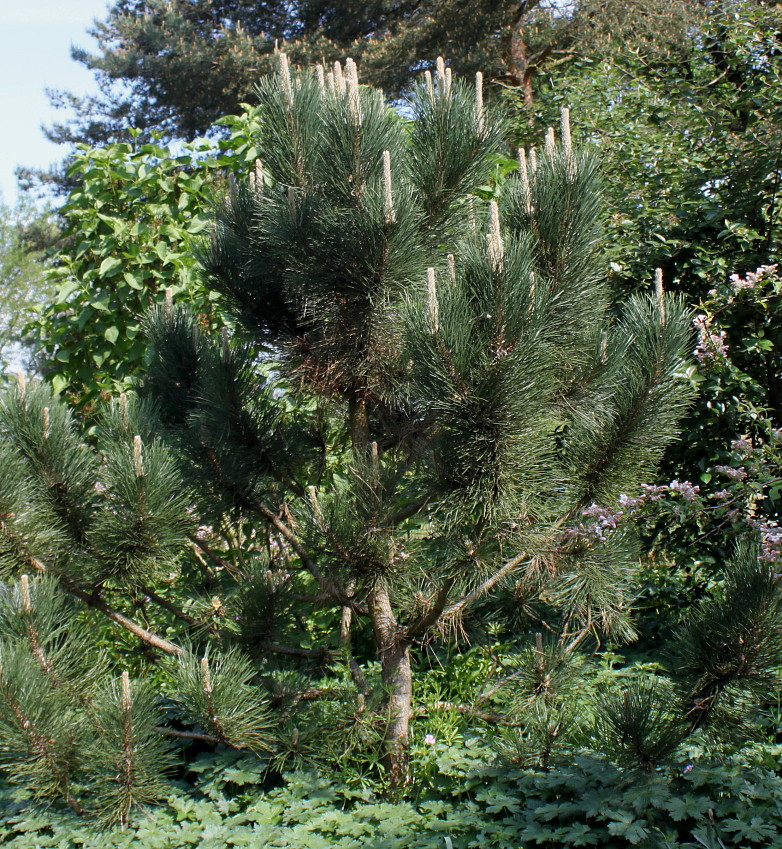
(24, 233)
(179, 65)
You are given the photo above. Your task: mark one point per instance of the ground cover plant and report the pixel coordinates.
(411, 436)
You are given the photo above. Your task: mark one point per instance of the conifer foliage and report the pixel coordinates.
(420, 393)
(461, 358)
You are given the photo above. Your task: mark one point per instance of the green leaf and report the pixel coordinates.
(59, 383)
(110, 266)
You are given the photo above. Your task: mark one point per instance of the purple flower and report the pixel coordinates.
(734, 474)
(771, 542)
(687, 769)
(430, 740)
(687, 490)
(711, 346)
(652, 492)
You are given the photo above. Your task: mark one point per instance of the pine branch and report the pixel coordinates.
(98, 603)
(409, 510)
(169, 606)
(429, 617)
(216, 559)
(222, 697)
(485, 587)
(338, 594)
(123, 621)
(34, 637)
(356, 673)
(188, 735)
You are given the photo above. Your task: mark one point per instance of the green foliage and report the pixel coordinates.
(38, 616)
(739, 371)
(178, 66)
(689, 143)
(63, 728)
(585, 803)
(418, 396)
(640, 725)
(129, 755)
(129, 228)
(39, 729)
(22, 275)
(218, 696)
(730, 648)
(140, 535)
(115, 515)
(545, 696)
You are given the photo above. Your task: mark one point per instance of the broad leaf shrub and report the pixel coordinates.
(131, 225)
(739, 372)
(726, 477)
(732, 447)
(689, 146)
(585, 802)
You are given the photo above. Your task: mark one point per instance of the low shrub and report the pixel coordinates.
(698, 802)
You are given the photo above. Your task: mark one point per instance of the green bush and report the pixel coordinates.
(586, 802)
(130, 227)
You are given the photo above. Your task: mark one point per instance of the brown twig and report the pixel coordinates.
(486, 716)
(187, 735)
(98, 603)
(216, 559)
(324, 583)
(487, 585)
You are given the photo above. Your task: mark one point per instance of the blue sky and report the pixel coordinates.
(35, 42)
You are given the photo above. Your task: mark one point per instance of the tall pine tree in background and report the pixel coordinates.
(420, 394)
(177, 66)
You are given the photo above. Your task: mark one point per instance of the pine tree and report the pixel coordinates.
(461, 358)
(419, 393)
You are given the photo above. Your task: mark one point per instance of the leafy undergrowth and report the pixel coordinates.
(584, 802)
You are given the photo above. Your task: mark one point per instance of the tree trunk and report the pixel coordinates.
(518, 62)
(397, 677)
(358, 419)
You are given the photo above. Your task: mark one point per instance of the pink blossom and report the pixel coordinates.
(738, 474)
(687, 490)
(752, 279)
(711, 345)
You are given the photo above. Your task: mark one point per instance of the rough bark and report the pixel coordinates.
(394, 655)
(518, 62)
(358, 416)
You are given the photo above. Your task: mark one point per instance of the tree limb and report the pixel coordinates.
(487, 585)
(323, 582)
(98, 603)
(187, 735)
(169, 606)
(215, 557)
(430, 616)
